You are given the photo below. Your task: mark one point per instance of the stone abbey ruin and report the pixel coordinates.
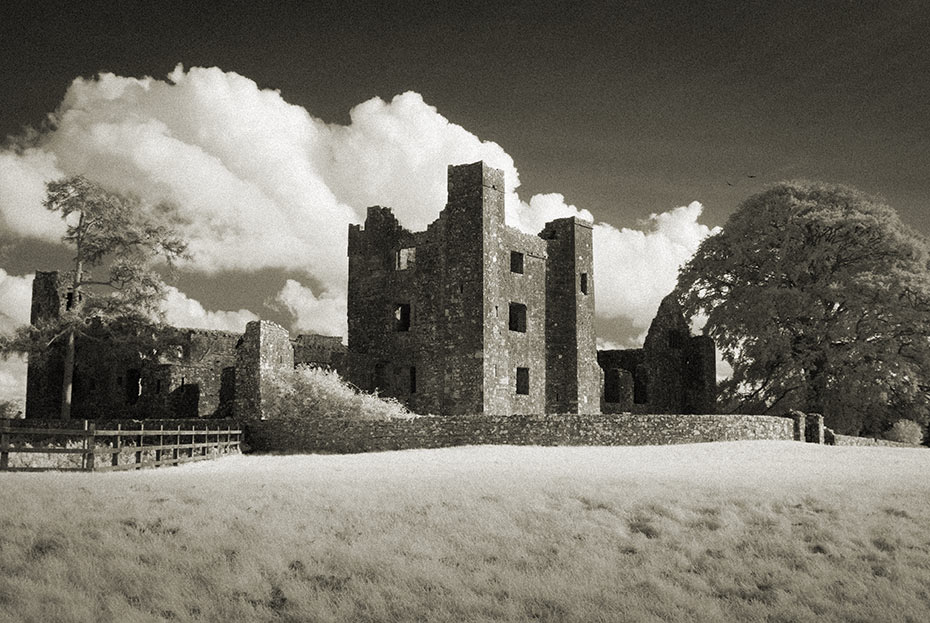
(470, 317)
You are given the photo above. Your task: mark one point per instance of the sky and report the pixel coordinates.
(273, 127)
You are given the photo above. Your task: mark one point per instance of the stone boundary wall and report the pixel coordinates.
(323, 434)
(849, 440)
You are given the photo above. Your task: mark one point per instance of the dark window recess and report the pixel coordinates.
(518, 317)
(69, 300)
(584, 283)
(158, 387)
(641, 385)
(378, 377)
(523, 381)
(516, 262)
(402, 317)
(413, 380)
(612, 386)
(133, 385)
(676, 339)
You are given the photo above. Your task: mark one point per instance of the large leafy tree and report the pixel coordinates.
(122, 240)
(819, 298)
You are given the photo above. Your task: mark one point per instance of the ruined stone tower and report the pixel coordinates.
(458, 319)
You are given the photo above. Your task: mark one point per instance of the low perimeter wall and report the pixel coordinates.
(322, 434)
(848, 440)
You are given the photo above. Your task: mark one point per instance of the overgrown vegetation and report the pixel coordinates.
(748, 531)
(311, 392)
(906, 431)
(819, 298)
(11, 409)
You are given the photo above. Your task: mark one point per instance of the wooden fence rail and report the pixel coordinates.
(110, 449)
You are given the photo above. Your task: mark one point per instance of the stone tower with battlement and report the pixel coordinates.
(473, 316)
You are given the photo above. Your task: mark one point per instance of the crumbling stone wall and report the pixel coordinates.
(263, 353)
(319, 433)
(194, 374)
(674, 372)
(191, 376)
(573, 377)
(323, 351)
(456, 319)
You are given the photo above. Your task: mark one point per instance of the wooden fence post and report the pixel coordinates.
(176, 453)
(4, 442)
(161, 442)
(118, 445)
(90, 445)
(141, 443)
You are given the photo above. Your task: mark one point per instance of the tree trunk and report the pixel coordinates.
(817, 385)
(67, 381)
(68, 377)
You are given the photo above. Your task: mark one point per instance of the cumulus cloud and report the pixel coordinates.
(635, 268)
(262, 184)
(15, 301)
(182, 311)
(324, 314)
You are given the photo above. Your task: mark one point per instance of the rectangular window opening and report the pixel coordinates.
(523, 381)
(402, 317)
(405, 258)
(133, 385)
(584, 283)
(518, 317)
(516, 262)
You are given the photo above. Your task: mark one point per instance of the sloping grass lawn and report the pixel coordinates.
(747, 531)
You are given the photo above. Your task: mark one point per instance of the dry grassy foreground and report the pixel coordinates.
(750, 531)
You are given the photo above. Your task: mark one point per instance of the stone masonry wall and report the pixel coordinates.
(319, 433)
(573, 378)
(264, 351)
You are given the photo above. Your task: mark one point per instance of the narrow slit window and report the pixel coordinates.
(402, 317)
(133, 385)
(516, 262)
(584, 283)
(518, 317)
(405, 258)
(523, 381)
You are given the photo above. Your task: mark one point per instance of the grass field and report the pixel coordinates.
(747, 531)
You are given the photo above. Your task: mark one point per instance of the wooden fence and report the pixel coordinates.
(116, 448)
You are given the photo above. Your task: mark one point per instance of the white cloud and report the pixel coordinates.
(262, 184)
(325, 314)
(22, 189)
(634, 269)
(15, 301)
(183, 311)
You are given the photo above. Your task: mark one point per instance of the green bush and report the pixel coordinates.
(906, 431)
(312, 392)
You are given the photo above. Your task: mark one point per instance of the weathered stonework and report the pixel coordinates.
(319, 433)
(198, 373)
(472, 316)
(674, 372)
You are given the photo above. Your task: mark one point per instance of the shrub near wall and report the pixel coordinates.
(320, 433)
